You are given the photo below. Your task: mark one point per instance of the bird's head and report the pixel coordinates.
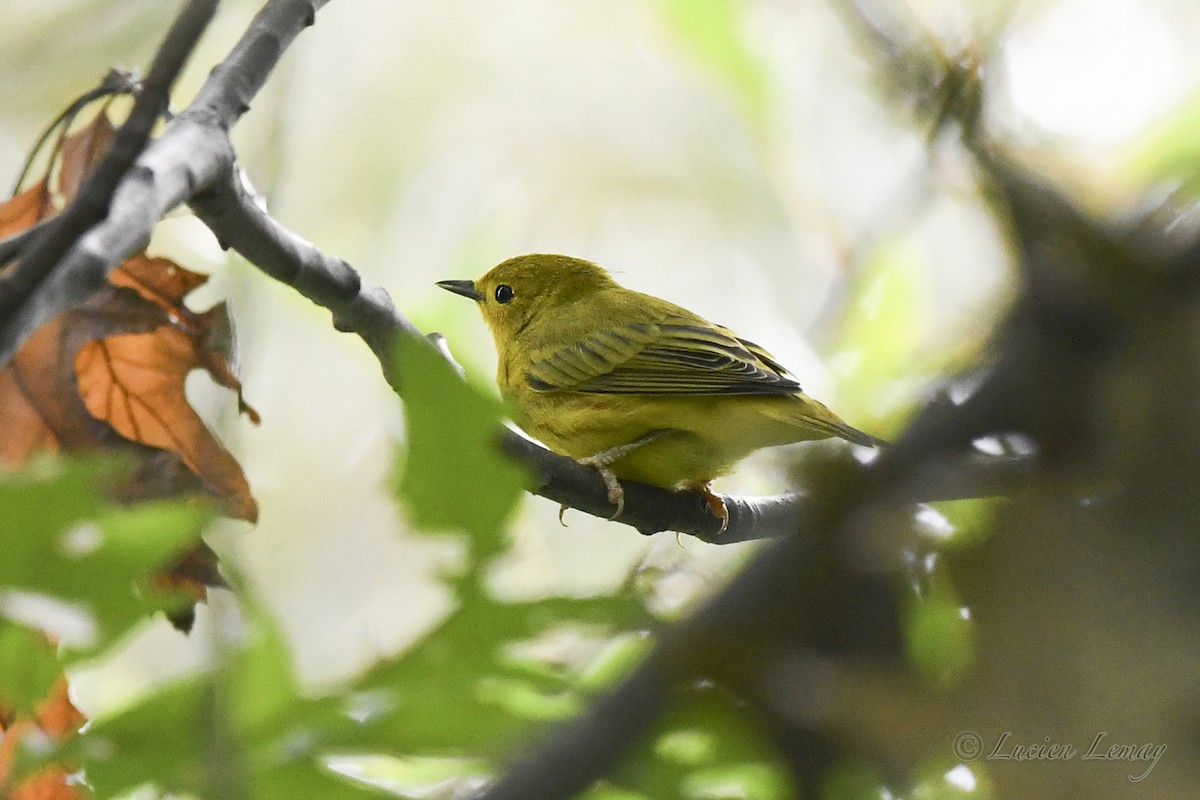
(516, 291)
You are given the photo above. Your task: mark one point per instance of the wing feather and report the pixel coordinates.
(677, 355)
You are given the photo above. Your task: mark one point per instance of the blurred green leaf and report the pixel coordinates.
(706, 745)
(617, 657)
(445, 690)
(28, 667)
(971, 520)
(940, 638)
(689, 747)
(61, 539)
(429, 778)
(242, 730)
(261, 683)
(159, 740)
(940, 781)
(523, 699)
(752, 781)
(853, 782)
(455, 476)
(309, 780)
(606, 792)
(881, 332)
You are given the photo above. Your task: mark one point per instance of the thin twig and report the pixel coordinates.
(92, 202)
(193, 150)
(117, 82)
(233, 212)
(12, 246)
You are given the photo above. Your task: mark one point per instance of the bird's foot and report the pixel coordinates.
(716, 504)
(602, 462)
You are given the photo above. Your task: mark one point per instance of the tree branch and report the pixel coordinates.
(231, 209)
(192, 152)
(235, 214)
(93, 201)
(796, 597)
(193, 161)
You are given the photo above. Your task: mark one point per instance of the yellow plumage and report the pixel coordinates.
(637, 386)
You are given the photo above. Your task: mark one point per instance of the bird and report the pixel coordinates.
(633, 385)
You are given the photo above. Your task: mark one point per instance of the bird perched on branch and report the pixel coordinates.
(633, 385)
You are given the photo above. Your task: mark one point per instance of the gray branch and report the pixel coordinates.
(192, 152)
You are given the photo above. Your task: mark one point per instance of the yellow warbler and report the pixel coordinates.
(633, 385)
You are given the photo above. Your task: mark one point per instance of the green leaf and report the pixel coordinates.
(882, 333)
(606, 792)
(971, 520)
(854, 781)
(758, 780)
(708, 745)
(61, 539)
(159, 740)
(28, 667)
(461, 691)
(455, 476)
(425, 777)
(940, 638)
(241, 731)
(938, 780)
(310, 780)
(686, 746)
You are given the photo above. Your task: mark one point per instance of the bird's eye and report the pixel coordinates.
(504, 293)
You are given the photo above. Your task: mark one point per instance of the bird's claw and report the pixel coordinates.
(716, 504)
(601, 462)
(616, 495)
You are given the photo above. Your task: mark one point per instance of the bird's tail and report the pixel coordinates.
(816, 416)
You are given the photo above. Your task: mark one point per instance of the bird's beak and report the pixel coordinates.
(465, 288)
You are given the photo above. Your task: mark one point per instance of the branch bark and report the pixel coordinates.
(232, 210)
(794, 593)
(192, 152)
(23, 308)
(194, 162)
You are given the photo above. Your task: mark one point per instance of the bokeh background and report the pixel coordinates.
(736, 157)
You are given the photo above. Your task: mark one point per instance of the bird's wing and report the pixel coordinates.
(677, 356)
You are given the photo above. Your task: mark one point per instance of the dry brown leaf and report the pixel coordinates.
(161, 281)
(57, 715)
(58, 718)
(51, 784)
(22, 211)
(142, 316)
(79, 152)
(135, 383)
(127, 350)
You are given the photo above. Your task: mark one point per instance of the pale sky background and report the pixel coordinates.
(771, 191)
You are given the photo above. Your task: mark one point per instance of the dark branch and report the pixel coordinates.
(237, 217)
(12, 246)
(193, 151)
(92, 203)
(568, 762)
(193, 162)
(1042, 375)
(233, 84)
(233, 212)
(118, 81)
